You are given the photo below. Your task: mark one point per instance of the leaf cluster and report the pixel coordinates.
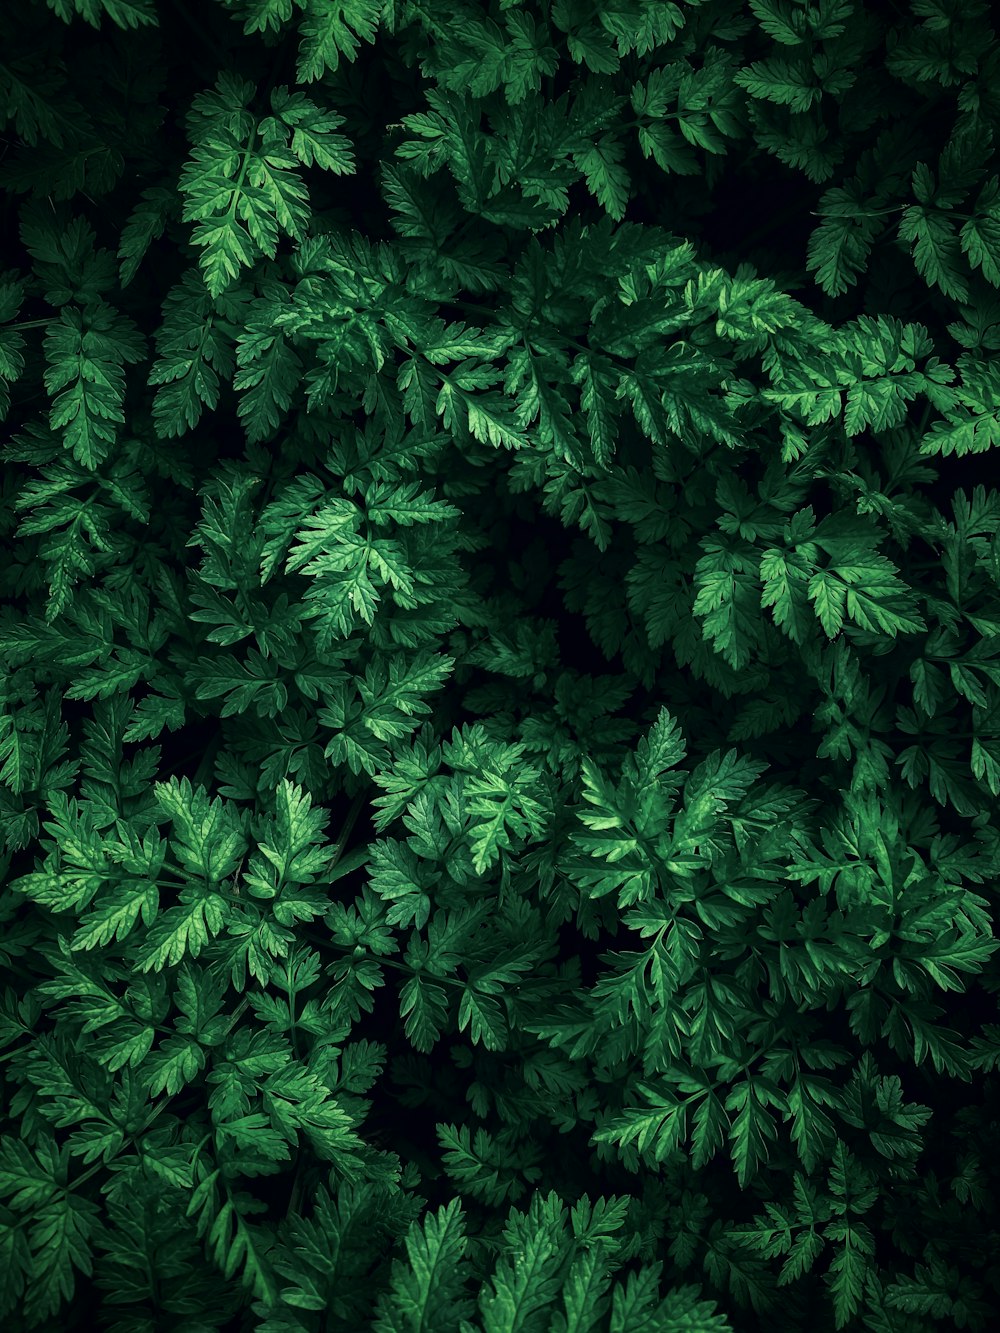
(500, 693)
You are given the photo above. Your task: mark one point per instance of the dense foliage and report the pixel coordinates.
(500, 711)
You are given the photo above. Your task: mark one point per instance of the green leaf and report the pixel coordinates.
(209, 838)
(727, 601)
(394, 692)
(86, 351)
(194, 355)
(491, 422)
(786, 589)
(146, 224)
(424, 1006)
(116, 914)
(934, 241)
(607, 179)
(829, 596)
(59, 1236)
(427, 1292)
(753, 1128)
(980, 234)
(182, 931)
(251, 683)
(849, 1268)
(840, 246)
(314, 137)
(658, 1130)
(263, 15)
(482, 1015)
(332, 29)
(787, 82)
(782, 21)
(598, 383)
(240, 184)
(123, 13)
(294, 845)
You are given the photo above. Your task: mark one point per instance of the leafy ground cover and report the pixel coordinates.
(500, 626)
